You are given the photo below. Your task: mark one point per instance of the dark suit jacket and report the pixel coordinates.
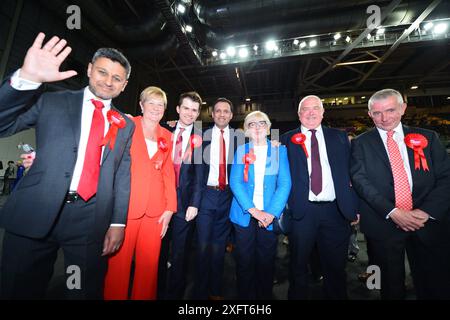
(373, 181)
(189, 191)
(338, 151)
(33, 208)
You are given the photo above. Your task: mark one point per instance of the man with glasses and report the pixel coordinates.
(76, 195)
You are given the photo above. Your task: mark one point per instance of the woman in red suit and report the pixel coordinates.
(152, 203)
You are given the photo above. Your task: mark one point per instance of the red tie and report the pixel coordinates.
(222, 163)
(403, 196)
(177, 155)
(87, 186)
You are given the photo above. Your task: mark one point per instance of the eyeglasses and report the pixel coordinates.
(259, 124)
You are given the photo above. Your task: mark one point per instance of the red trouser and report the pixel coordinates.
(142, 238)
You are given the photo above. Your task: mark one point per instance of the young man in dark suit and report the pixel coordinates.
(321, 200)
(404, 200)
(76, 194)
(187, 159)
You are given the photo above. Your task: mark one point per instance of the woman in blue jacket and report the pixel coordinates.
(261, 182)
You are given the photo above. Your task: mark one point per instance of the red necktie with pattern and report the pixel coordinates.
(87, 186)
(222, 163)
(178, 155)
(403, 196)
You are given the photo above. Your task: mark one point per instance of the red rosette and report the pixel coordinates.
(116, 122)
(417, 142)
(248, 159)
(115, 118)
(162, 144)
(194, 142)
(300, 138)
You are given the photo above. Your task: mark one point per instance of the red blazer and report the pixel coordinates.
(153, 188)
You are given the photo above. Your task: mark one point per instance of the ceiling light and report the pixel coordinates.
(214, 53)
(440, 28)
(363, 97)
(380, 31)
(296, 42)
(255, 47)
(337, 36)
(348, 39)
(247, 99)
(369, 36)
(302, 44)
(231, 51)
(448, 98)
(270, 45)
(313, 43)
(188, 28)
(243, 52)
(428, 26)
(203, 102)
(223, 55)
(181, 8)
(414, 87)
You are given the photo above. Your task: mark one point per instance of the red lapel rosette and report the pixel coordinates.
(194, 142)
(248, 159)
(300, 138)
(162, 144)
(164, 147)
(116, 122)
(417, 142)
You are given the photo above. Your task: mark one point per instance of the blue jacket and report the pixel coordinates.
(277, 184)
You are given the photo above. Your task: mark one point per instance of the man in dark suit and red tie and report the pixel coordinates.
(321, 200)
(402, 175)
(75, 196)
(187, 161)
(213, 225)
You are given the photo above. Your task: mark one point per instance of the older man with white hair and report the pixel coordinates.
(321, 200)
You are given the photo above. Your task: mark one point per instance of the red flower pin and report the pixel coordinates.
(248, 159)
(116, 122)
(162, 144)
(194, 142)
(300, 138)
(417, 142)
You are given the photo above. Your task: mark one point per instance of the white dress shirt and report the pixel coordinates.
(186, 136)
(328, 192)
(213, 178)
(259, 170)
(151, 147)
